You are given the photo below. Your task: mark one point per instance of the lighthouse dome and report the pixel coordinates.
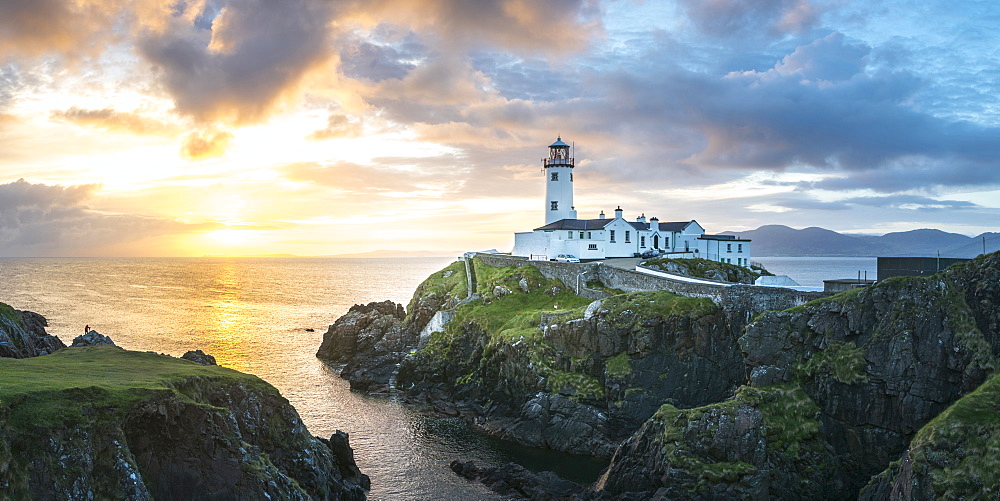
(559, 144)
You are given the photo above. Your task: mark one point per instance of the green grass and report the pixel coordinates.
(619, 366)
(661, 303)
(845, 362)
(961, 446)
(67, 386)
(516, 314)
(789, 421)
(585, 386)
(455, 285)
(8, 312)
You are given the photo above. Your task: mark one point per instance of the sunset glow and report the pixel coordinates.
(248, 127)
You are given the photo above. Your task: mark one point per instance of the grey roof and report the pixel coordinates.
(559, 143)
(731, 238)
(576, 224)
(677, 226)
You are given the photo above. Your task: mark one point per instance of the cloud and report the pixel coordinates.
(826, 59)
(205, 144)
(109, 119)
(364, 59)
(523, 26)
(256, 53)
(751, 18)
(52, 220)
(338, 125)
(39, 27)
(366, 180)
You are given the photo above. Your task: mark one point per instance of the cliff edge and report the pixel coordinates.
(858, 394)
(100, 422)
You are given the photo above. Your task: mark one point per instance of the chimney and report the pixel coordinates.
(641, 219)
(654, 224)
(602, 216)
(618, 212)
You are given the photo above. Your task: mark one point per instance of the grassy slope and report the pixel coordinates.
(55, 389)
(961, 446)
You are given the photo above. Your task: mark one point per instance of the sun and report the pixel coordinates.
(229, 236)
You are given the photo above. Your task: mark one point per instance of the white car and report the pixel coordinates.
(567, 258)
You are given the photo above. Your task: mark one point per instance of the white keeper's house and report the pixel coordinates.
(605, 236)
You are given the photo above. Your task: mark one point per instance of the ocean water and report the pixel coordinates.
(252, 314)
(811, 271)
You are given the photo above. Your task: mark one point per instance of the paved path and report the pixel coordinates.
(625, 263)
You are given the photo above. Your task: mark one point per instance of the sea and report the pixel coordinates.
(812, 271)
(267, 316)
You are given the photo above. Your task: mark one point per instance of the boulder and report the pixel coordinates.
(92, 338)
(199, 357)
(513, 481)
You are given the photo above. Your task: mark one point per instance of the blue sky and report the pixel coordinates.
(314, 128)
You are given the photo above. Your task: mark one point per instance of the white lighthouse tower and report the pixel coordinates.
(559, 183)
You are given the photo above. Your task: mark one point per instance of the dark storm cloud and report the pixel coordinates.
(52, 220)
(256, 52)
(817, 107)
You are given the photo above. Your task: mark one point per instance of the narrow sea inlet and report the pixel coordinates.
(252, 314)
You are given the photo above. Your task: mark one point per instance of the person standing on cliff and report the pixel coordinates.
(86, 329)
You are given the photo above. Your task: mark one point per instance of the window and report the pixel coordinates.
(571, 177)
(666, 242)
(612, 236)
(592, 247)
(569, 235)
(588, 235)
(642, 242)
(581, 234)
(739, 247)
(628, 235)
(555, 176)
(729, 247)
(555, 205)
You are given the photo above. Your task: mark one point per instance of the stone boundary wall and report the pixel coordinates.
(741, 302)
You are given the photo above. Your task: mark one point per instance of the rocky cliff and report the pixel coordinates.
(529, 361)
(838, 389)
(100, 422)
(812, 401)
(22, 334)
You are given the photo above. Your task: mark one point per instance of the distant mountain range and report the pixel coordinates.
(778, 240)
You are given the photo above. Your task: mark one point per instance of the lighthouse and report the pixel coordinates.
(558, 168)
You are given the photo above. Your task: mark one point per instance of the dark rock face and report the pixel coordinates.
(92, 338)
(22, 334)
(199, 357)
(762, 444)
(870, 369)
(952, 457)
(371, 339)
(686, 359)
(586, 384)
(340, 445)
(172, 448)
(513, 481)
